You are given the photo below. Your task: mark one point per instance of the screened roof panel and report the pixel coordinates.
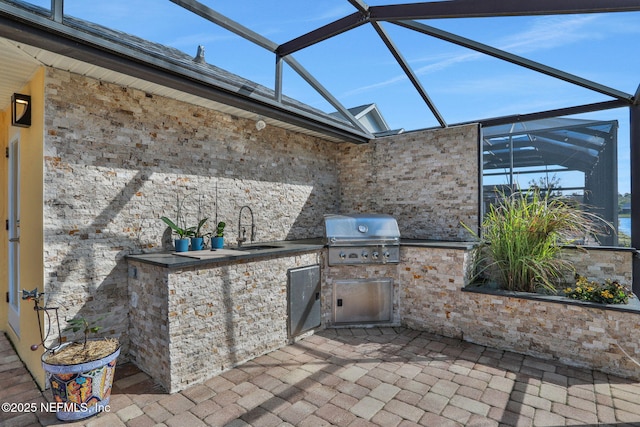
(560, 142)
(501, 72)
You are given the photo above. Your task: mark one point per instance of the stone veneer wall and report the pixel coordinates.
(115, 160)
(427, 179)
(601, 264)
(190, 324)
(432, 299)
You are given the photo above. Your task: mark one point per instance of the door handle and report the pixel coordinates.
(15, 239)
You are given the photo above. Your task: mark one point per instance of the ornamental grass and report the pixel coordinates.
(522, 236)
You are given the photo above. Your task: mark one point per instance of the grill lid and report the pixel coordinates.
(361, 229)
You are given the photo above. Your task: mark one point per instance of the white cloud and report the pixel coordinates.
(332, 14)
(551, 32)
(543, 34)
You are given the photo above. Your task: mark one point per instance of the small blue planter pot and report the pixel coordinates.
(217, 242)
(197, 243)
(182, 245)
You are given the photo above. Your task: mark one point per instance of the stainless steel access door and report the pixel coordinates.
(304, 299)
(361, 301)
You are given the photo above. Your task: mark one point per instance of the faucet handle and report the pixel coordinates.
(242, 237)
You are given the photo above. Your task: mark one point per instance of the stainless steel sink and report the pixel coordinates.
(257, 247)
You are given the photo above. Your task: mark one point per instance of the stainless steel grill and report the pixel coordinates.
(358, 240)
(362, 239)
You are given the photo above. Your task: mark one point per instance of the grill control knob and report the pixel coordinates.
(365, 254)
(374, 255)
(386, 254)
(342, 255)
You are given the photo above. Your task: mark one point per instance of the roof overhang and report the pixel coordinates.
(62, 46)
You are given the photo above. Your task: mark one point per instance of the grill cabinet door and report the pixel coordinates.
(363, 301)
(304, 299)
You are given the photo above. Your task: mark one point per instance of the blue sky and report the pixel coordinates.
(357, 68)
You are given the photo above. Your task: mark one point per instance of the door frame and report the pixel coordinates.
(13, 241)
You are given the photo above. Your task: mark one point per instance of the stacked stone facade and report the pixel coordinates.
(601, 264)
(428, 180)
(584, 335)
(117, 159)
(190, 324)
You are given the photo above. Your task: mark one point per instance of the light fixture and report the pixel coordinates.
(260, 124)
(21, 110)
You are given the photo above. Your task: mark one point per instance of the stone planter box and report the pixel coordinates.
(595, 336)
(600, 337)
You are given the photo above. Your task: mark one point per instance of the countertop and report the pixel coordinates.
(446, 244)
(278, 248)
(246, 252)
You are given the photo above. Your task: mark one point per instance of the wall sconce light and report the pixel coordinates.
(21, 110)
(260, 124)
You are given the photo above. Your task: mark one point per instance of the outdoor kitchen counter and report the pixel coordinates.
(280, 248)
(284, 247)
(191, 318)
(442, 244)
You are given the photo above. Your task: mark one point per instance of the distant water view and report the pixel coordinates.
(624, 226)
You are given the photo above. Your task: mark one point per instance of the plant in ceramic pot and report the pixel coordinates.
(217, 241)
(179, 227)
(80, 373)
(197, 236)
(522, 238)
(182, 242)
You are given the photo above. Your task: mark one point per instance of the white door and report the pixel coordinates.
(14, 235)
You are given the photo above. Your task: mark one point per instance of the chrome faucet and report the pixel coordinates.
(242, 231)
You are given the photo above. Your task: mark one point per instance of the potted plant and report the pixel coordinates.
(179, 227)
(182, 242)
(217, 241)
(197, 237)
(522, 237)
(81, 373)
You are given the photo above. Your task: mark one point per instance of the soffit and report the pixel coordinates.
(23, 60)
(16, 71)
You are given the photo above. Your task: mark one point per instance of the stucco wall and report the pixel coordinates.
(30, 206)
(428, 180)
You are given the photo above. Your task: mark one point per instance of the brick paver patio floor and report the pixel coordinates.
(358, 377)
